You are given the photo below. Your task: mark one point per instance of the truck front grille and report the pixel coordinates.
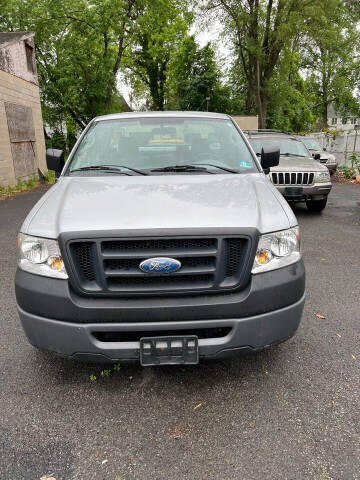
(292, 178)
(111, 266)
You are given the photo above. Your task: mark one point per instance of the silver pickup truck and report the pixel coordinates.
(299, 176)
(163, 242)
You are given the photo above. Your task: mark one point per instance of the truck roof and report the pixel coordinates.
(169, 113)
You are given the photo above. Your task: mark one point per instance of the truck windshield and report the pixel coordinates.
(311, 143)
(151, 144)
(287, 146)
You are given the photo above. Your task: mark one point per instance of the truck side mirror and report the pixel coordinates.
(55, 160)
(317, 156)
(270, 157)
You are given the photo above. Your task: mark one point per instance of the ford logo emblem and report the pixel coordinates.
(160, 265)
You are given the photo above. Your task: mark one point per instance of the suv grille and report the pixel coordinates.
(292, 178)
(111, 266)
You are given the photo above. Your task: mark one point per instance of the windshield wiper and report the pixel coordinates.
(181, 168)
(140, 172)
(292, 155)
(98, 167)
(110, 168)
(230, 170)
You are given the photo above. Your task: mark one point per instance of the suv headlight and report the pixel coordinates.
(276, 250)
(40, 256)
(322, 177)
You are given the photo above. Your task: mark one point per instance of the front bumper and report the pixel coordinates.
(79, 342)
(332, 167)
(54, 318)
(317, 191)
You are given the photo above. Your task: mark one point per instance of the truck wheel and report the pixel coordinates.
(316, 205)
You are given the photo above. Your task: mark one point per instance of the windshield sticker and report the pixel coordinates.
(245, 164)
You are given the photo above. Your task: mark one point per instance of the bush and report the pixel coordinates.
(348, 172)
(355, 162)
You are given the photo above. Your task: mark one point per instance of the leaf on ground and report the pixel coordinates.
(338, 335)
(197, 406)
(104, 461)
(47, 478)
(353, 356)
(318, 315)
(177, 431)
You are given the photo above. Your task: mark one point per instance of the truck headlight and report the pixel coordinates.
(40, 256)
(322, 177)
(276, 250)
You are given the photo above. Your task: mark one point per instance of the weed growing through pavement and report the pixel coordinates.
(27, 184)
(106, 372)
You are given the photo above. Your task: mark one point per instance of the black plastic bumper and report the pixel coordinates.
(54, 299)
(267, 312)
(80, 342)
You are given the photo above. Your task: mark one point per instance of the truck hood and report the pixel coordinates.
(298, 164)
(325, 154)
(113, 203)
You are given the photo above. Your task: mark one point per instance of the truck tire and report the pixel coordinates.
(316, 205)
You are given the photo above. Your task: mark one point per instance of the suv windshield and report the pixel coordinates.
(151, 144)
(311, 143)
(288, 146)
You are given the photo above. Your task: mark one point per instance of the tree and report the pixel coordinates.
(80, 45)
(328, 51)
(195, 76)
(160, 28)
(259, 31)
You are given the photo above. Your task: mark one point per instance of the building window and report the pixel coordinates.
(29, 57)
(334, 121)
(353, 120)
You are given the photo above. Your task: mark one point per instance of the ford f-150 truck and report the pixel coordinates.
(163, 242)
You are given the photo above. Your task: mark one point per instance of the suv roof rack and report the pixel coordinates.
(267, 130)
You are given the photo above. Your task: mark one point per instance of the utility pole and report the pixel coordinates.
(207, 103)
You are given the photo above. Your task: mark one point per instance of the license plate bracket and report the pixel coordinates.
(293, 192)
(172, 350)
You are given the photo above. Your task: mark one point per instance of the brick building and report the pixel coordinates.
(22, 144)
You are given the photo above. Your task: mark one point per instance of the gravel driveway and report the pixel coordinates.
(291, 412)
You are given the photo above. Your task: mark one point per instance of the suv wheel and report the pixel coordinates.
(316, 205)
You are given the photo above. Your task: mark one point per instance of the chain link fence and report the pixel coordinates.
(341, 146)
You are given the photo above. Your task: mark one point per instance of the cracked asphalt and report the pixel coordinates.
(288, 413)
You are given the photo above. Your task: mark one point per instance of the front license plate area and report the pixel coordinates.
(169, 350)
(293, 192)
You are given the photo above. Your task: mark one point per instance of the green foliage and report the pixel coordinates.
(273, 41)
(328, 57)
(79, 48)
(195, 76)
(160, 28)
(355, 161)
(21, 185)
(291, 59)
(290, 101)
(348, 172)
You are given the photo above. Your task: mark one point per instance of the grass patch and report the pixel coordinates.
(25, 185)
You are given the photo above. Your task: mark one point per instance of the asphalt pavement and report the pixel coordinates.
(288, 413)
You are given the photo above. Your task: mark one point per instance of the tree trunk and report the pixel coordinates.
(324, 116)
(262, 117)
